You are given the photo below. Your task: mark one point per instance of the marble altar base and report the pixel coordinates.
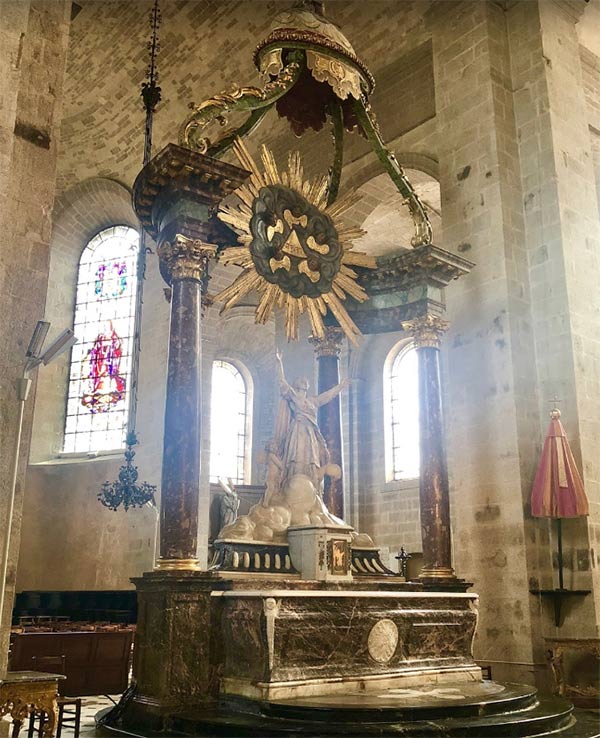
(298, 642)
(217, 655)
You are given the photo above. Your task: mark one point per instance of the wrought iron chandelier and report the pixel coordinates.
(125, 490)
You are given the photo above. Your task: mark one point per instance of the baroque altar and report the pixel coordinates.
(297, 626)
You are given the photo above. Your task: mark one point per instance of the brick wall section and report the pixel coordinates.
(590, 71)
(33, 43)
(476, 155)
(388, 510)
(579, 223)
(206, 47)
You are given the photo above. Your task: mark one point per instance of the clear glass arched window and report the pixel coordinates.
(402, 414)
(100, 374)
(229, 423)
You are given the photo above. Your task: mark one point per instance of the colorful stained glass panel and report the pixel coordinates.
(101, 361)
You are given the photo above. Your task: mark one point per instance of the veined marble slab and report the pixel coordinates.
(282, 643)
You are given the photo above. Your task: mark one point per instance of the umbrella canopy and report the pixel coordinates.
(558, 488)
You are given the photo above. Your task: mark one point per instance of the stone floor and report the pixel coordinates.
(89, 707)
(587, 720)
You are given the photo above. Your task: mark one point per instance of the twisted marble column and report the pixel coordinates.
(184, 262)
(433, 481)
(327, 351)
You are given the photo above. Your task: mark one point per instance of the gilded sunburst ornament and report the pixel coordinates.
(296, 252)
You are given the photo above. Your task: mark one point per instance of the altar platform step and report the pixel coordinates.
(456, 710)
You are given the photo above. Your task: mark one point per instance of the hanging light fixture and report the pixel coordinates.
(125, 490)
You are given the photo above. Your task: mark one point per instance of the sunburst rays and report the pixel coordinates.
(271, 295)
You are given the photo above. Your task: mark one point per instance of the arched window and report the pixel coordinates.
(229, 424)
(402, 414)
(100, 374)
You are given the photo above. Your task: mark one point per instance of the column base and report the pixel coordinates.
(437, 572)
(448, 582)
(177, 565)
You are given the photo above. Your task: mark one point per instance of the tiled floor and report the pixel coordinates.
(89, 707)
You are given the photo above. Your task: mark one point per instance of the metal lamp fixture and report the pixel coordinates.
(34, 357)
(125, 491)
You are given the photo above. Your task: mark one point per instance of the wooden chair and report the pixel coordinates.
(69, 708)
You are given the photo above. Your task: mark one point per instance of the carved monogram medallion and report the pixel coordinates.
(294, 244)
(383, 640)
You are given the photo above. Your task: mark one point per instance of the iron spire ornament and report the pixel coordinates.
(125, 491)
(312, 77)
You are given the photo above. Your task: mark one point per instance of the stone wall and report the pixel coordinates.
(33, 45)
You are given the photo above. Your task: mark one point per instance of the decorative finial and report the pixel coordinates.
(314, 6)
(151, 92)
(555, 412)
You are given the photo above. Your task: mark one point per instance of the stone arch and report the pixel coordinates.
(369, 166)
(380, 210)
(87, 208)
(79, 214)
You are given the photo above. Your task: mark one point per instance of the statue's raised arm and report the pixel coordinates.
(330, 394)
(283, 383)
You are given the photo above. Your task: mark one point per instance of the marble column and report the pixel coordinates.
(327, 351)
(433, 481)
(185, 261)
(175, 196)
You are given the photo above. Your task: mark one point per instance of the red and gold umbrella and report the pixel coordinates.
(558, 488)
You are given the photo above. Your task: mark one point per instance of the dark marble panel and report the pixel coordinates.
(317, 637)
(174, 660)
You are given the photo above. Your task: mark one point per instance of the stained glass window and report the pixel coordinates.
(100, 374)
(403, 416)
(228, 423)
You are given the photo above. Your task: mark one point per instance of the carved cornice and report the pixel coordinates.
(330, 344)
(389, 319)
(183, 174)
(427, 331)
(427, 264)
(185, 258)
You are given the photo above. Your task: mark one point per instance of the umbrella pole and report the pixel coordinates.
(560, 553)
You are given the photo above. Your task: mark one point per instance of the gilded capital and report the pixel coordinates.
(185, 258)
(330, 344)
(427, 331)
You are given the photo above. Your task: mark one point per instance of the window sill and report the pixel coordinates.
(397, 485)
(78, 457)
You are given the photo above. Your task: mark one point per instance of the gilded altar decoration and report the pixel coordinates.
(427, 330)
(312, 77)
(25, 692)
(184, 258)
(101, 372)
(295, 250)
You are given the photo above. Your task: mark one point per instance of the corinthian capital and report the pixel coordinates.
(330, 344)
(427, 331)
(185, 258)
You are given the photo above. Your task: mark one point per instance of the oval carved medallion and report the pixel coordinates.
(383, 640)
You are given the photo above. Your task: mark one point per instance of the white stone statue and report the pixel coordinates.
(298, 441)
(297, 460)
(229, 503)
